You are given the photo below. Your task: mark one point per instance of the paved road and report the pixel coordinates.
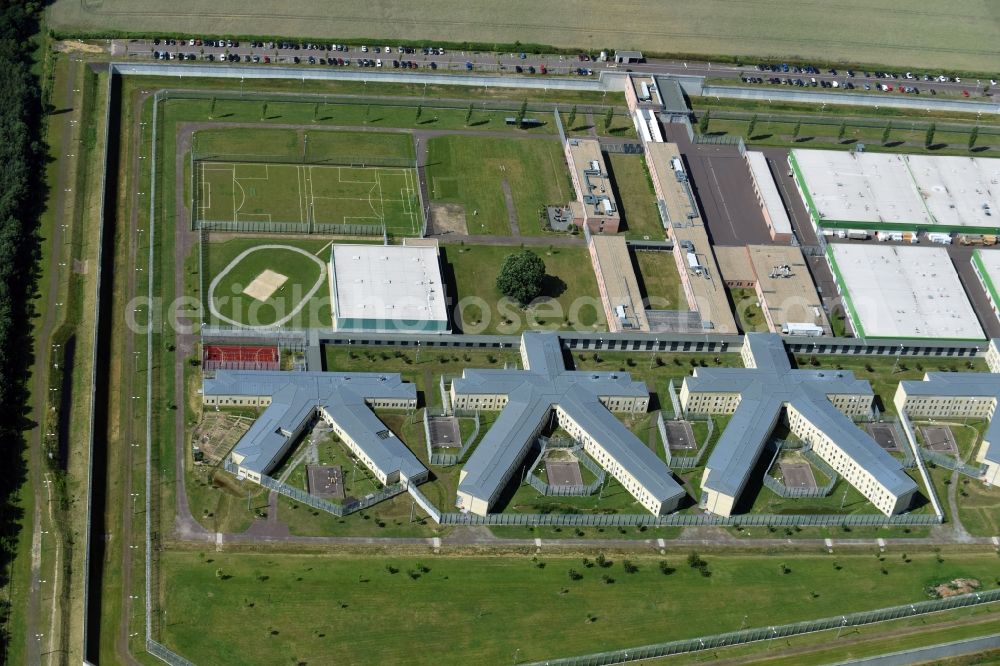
(923, 655)
(554, 64)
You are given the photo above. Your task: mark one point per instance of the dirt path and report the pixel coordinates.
(508, 199)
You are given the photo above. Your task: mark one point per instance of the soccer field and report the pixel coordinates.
(264, 193)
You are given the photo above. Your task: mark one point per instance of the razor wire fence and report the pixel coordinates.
(339, 510)
(759, 634)
(573, 490)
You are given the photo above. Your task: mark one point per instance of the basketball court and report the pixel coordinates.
(680, 436)
(885, 435)
(240, 357)
(939, 439)
(325, 481)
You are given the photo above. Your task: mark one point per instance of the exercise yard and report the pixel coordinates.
(498, 182)
(255, 283)
(261, 193)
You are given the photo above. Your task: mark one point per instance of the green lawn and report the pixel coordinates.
(659, 280)
(635, 195)
(569, 292)
(303, 608)
(289, 259)
(305, 145)
(265, 194)
(748, 311)
(471, 170)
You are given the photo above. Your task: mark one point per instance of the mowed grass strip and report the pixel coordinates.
(569, 295)
(659, 280)
(302, 145)
(636, 197)
(471, 170)
(302, 274)
(278, 607)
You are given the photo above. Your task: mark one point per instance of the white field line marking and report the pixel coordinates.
(299, 187)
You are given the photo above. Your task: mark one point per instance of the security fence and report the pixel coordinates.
(951, 462)
(446, 459)
(685, 462)
(576, 450)
(776, 486)
(165, 654)
(686, 520)
(424, 503)
(278, 227)
(839, 622)
(339, 510)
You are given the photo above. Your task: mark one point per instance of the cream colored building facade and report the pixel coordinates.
(819, 406)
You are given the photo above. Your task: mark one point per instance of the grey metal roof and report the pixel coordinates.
(672, 95)
(532, 394)
(764, 392)
(963, 385)
(298, 396)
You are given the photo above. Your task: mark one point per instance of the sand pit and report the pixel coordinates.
(265, 284)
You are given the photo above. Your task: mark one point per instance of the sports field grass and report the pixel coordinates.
(301, 145)
(922, 33)
(471, 171)
(492, 610)
(569, 291)
(241, 292)
(636, 197)
(262, 194)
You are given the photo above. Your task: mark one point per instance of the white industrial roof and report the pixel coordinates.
(387, 282)
(904, 292)
(769, 192)
(919, 190)
(959, 191)
(860, 187)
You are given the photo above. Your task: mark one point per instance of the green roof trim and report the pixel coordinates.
(845, 294)
(984, 277)
(803, 188)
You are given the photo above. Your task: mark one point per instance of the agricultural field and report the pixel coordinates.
(568, 299)
(427, 599)
(923, 33)
(499, 183)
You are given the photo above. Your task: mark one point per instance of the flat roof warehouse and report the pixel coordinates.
(387, 287)
(898, 192)
(902, 292)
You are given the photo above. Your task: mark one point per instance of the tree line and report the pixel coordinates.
(22, 197)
